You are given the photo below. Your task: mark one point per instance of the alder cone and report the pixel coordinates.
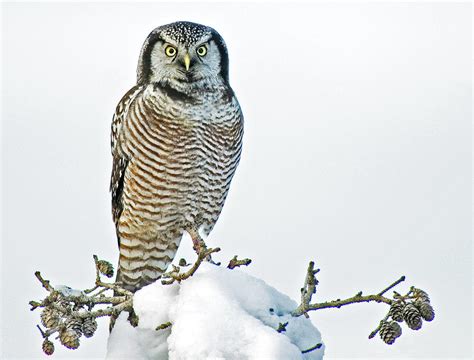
(105, 268)
(89, 327)
(396, 311)
(69, 338)
(75, 324)
(48, 347)
(426, 310)
(421, 295)
(412, 317)
(396, 328)
(50, 318)
(388, 333)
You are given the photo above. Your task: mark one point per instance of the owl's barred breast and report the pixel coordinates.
(182, 157)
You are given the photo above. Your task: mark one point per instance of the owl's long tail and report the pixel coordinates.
(143, 262)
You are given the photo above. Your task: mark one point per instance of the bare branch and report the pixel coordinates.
(309, 290)
(235, 262)
(392, 285)
(44, 282)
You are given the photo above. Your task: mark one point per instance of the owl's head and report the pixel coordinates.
(183, 55)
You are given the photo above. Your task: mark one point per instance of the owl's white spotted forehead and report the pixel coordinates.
(185, 33)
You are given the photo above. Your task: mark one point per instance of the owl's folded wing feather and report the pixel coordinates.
(120, 161)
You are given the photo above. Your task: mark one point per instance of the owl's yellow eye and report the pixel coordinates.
(170, 51)
(201, 50)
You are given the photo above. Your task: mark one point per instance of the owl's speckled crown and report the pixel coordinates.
(184, 32)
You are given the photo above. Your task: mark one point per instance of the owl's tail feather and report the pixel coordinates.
(136, 272)
(141, 264)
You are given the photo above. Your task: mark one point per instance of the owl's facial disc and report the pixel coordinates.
(182, 65)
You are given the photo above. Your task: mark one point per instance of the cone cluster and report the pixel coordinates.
(67, 315)
(56, 316)
(412, 311)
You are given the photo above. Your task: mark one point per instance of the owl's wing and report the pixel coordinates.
(120, 161)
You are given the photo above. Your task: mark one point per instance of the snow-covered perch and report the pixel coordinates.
(216, 314)
(209, 311)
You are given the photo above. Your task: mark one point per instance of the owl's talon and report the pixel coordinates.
(209, 260)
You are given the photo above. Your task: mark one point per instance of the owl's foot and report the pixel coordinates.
(200, 247)
(175, 274)
(209, 259)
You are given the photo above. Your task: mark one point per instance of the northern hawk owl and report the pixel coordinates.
(176, 143)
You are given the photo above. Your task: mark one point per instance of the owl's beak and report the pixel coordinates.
(187, 61)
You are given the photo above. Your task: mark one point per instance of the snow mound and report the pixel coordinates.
(216, 314)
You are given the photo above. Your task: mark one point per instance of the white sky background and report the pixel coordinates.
(357, 154)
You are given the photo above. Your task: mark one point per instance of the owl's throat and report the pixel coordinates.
(188, 90)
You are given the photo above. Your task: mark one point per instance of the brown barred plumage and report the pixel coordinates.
(176, 144)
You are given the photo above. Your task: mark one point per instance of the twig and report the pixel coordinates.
(317, 346)
(340, 303)
(44, 282)
(34, 304)
(163, 326)
(41, 331)
(307, 291)
(97, 271)
(235, 262)
(373, 333)
(392, 285)
(88, 291)
(282, 327)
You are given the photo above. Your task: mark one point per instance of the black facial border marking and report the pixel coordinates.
(221, 46)
(144, 63)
